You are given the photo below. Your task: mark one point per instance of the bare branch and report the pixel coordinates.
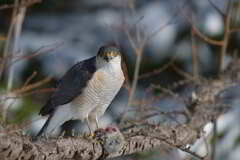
(23, 3)
(29, 79)
(9, 36)
(194, 56)
(41, 50)
(199, 33)
(205, 38)
(227, 22)
(14, 36)
(137, 138)
(31, 86)
(184, 74)
(216, 8)
(157, 71)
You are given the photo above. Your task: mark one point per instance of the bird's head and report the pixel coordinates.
(109, 53)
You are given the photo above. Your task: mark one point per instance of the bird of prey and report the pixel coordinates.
(85, 91)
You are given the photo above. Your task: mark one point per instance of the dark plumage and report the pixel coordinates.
(85, 91)
(71, 85)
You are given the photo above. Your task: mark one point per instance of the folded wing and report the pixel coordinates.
(71, 85)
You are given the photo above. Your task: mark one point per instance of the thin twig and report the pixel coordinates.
(157, 71)
(41, 50)
(194, 56)
(187, 150)
(138, 45)
(136, 74)
(39, 91)
(207, 39)
(16, 39)
(170, 22)
(32, 86)
(30, 78)
(154, 33)
(17, 21)
(22, 4)
(199, 33)
(216, 8)
(165, 90)
(227, 21)
(130, 38)
(27, 93)
(184, 74)
(9, 36)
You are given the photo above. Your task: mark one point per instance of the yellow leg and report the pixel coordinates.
(97, 124)
(89, 127)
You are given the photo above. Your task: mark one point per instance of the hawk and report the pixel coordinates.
(85, 91)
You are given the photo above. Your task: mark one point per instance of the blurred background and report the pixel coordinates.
(55, 34)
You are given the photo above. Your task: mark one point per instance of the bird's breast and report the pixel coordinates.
(107, 83)
(100, 91)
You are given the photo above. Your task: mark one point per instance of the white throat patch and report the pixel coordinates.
(113, 65)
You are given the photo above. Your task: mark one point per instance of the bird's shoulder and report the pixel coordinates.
(70, 85)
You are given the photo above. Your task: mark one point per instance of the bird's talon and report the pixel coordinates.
(92, 135)
(100, 141)
(89, 135)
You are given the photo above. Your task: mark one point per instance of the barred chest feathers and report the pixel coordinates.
(101, 89)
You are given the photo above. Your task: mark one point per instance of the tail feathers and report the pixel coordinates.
(54, 121)
(48, 108)
(42, 130)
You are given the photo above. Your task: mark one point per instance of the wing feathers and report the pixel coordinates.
(71, 85)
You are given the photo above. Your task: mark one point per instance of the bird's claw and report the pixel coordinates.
(89, 135)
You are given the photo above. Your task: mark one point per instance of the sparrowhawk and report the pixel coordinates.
(85, 91)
